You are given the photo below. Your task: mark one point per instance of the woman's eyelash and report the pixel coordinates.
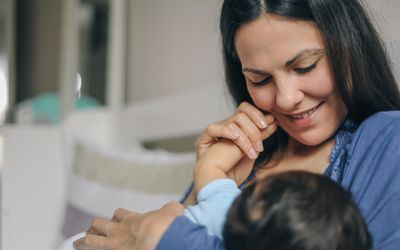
(306, 69)
(263, 81)
(298, 70)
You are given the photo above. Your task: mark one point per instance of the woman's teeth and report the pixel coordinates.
(306, 114)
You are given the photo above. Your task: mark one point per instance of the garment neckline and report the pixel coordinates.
(342, 141)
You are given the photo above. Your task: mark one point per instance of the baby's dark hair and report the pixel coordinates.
(295, 210)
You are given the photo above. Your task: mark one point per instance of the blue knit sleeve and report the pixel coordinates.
(183, 234)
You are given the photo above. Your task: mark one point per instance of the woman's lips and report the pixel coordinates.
(305, 118)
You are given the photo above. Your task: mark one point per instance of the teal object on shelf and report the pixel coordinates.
(46, 108)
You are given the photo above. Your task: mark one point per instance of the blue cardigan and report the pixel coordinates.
(365, 160)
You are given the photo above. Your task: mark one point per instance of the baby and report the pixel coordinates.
(290, 210)
(295, 210)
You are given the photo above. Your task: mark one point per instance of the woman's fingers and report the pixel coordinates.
(94, 231)
(256, 116)
(250, 130)
(250, 139)
(244, 128)
(90, 242)
(211, 133)
(239, 134)
(219, 130)
(101, 227)
(120, 214)
(266, 133)
(128, 230)
(243, 142)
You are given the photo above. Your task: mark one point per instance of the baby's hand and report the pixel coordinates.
(221, 161)
(223, 155)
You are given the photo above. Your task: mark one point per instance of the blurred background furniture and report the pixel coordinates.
(96, 162)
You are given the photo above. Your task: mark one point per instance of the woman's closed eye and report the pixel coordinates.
(299, 70)
(306, 69)
(264, 81)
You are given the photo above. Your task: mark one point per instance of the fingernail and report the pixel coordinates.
(253, 154)
(234, 136)
(259, 146)
(262, 123)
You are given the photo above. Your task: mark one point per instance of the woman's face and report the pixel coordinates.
(289, 75)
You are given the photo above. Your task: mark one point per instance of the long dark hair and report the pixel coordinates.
(361, 68)
(295, 210)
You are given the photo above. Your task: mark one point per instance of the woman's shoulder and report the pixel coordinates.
(375, 130)
(374, 152)
(381, 123)
(380, 120)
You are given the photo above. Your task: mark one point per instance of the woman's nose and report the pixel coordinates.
(288, 95)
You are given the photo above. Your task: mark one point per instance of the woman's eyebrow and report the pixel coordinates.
(304, 53)
(255, 71)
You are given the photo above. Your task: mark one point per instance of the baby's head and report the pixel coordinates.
(295, 210)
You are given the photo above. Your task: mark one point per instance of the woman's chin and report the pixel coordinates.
(313, 141)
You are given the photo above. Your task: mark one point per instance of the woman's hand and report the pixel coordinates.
(243, 128)
(246, 128)
(129, 230)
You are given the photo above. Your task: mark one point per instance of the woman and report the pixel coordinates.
(317, 68)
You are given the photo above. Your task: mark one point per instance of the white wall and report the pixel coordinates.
(385, 13)
(173, 45)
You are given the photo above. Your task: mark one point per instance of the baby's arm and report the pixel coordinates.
(217, 175)
(217, 163)
(215, 191)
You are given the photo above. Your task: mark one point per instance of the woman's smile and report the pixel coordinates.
(305, 118)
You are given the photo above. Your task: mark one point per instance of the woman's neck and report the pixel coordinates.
(297, 150)
(297, 156)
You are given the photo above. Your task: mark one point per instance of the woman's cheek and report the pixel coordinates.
(321, 84)
(263, 98)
